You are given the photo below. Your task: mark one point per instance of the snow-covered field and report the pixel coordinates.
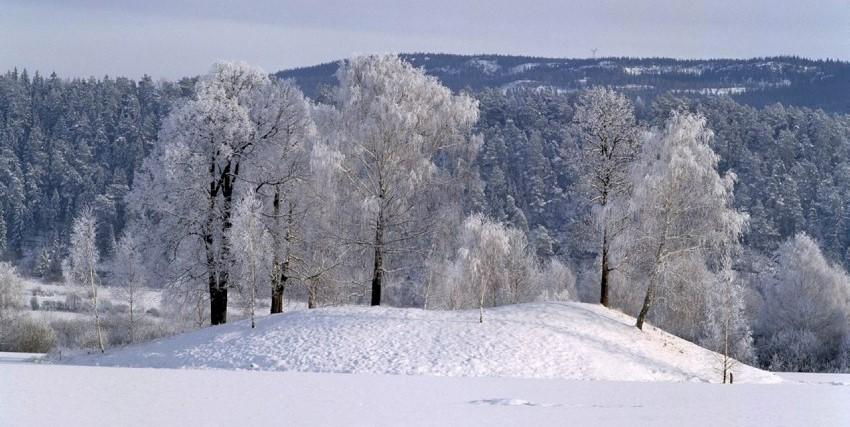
(545, 340)
(49, 395)
(526, 365)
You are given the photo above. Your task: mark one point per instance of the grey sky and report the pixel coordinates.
(174, 38)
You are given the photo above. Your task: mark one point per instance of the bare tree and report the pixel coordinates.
(83, 260)
(610, 140)
(252, 246)
(128, 271)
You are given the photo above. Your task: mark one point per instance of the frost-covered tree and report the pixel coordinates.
(189, 184)
(681, 208)
(492, 265)
(804, 321)
(278, 174)
(129, 277)
(394, 123)
(320, 264)
(610, 140)
(252, 249)
(83, 260)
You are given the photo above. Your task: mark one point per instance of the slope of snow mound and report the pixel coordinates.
(544, 340)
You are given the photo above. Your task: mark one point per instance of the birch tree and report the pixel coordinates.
(129, 274)
(394, 122)
(253, 249)
(681, 206)
(609, 139)
(83, 260)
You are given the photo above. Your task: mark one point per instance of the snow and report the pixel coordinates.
(9, 357)
(521, 68)
(541, 340)
(486, 66)
(47, 395)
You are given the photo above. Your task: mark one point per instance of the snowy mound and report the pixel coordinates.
(547, 340)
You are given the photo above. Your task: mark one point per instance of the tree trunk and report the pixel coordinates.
(277, 291)
(218, 292)
(650, 290)
(604, 276)
(378, 270)
(481, 306)
(132, 320)
(218, 306)
(278, 270)
(647, 301)
(311, 294)
(94, 304)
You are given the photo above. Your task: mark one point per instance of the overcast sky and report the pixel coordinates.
(175, 38)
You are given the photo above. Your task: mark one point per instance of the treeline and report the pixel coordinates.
(787, 79)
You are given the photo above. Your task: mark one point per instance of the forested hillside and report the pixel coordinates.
(757, 82)
(65, 144)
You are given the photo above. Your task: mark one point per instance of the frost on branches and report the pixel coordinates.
(395, 122)
(684, 223)
(610, 140)
(238, 122)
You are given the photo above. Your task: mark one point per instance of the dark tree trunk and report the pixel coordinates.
(218, 292)
(647, 301)
(650, 290)
(218, 306)
(277, 297)
(312, 295)
(650, 293)
(604, 280)
(378, 270)
(279, 288)
(278, 275)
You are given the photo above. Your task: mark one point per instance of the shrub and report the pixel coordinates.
(27, 335)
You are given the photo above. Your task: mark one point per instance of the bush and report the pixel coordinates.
(27, 335)
(73, 333)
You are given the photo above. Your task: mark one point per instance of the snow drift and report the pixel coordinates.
(542, 340)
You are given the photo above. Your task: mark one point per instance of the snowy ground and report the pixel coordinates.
(50, 395)
(526, 365)
(546, 340)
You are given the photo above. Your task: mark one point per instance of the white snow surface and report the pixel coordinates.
(37, 395)
(542, 340)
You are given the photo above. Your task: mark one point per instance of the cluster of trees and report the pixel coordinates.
(242, 188)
